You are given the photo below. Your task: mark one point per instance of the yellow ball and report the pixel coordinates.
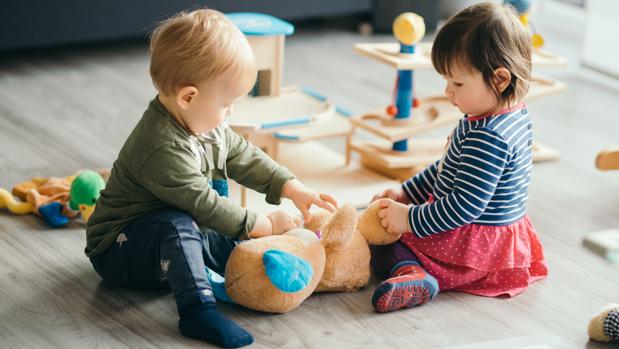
(537, 40)
(524, 19)
(409, 28)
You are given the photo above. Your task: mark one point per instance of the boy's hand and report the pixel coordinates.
(395, 194)
(281, 222)
(303, 198)
(394, 216)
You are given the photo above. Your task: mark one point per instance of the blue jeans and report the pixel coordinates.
(165, 248)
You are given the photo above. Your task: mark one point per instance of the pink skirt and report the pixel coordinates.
(483, 260)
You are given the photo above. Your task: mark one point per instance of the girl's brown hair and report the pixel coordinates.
(485, 37)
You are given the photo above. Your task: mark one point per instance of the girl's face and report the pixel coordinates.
(468, 91)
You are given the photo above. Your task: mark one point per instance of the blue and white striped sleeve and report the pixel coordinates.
(484, 156)
(418, 187)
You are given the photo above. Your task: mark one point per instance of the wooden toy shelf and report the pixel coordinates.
(431, 113)
(388, 53)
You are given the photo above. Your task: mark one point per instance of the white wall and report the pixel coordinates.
(601, 44)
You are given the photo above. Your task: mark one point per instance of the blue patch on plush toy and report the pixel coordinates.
(218, 284)
(52, 214)
(286, 271)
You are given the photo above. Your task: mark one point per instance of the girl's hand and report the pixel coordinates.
(394, 216)
(281, 222)
(395, 194)
(303, 198)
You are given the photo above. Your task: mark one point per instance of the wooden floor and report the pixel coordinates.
(72, 109)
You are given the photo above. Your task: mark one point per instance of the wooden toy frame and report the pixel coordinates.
(432, 113)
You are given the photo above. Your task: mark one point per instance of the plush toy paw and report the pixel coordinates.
(369, 226)
(347, 267)
(319, 220)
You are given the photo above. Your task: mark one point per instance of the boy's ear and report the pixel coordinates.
(185, 96)
(501, 78)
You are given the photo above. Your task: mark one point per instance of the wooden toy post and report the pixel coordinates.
(403, 119)
(607, 160)
(408, 28)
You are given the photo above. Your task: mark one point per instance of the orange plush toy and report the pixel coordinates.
(57, 199)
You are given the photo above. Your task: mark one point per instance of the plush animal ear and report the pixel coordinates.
(286, 271)
(369, 226)
(340, 228)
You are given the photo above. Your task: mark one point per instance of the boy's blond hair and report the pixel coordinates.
(198, 46)
(485, 37)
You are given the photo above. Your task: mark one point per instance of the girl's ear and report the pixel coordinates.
(185, 96)
(501, 78)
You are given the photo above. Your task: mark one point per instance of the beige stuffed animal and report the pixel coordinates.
(331, 254)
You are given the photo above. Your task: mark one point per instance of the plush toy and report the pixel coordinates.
(331, 254)
(604, 327)
(262, 274)
(346, 239)
(21, 190)
(56, 200)
(49, 200)
(85, 190)
(15, 206)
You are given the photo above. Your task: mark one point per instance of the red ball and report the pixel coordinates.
(392, 110)
(416, 103)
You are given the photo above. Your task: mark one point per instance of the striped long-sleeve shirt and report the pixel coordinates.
(484, 177)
